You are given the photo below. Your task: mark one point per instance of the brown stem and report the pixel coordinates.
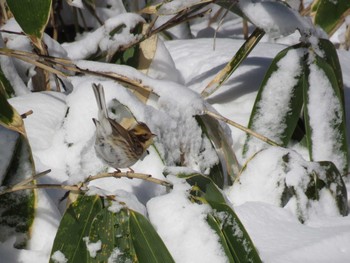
(242, 128)
(129, 175)
(26, 114)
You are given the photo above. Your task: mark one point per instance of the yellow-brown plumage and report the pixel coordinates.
(116, 146)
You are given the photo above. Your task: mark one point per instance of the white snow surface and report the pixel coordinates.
(62, 140)
(275, 105)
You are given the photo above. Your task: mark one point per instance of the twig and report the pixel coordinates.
(145, 177)
(241, 127)
(41, 186)
(30, 179)
(26, 114)
(24, 185)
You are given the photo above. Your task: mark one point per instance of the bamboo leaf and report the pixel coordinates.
(9, 117)
(335, 184)
(113, 231)
(279, 100)
(216, 225)
(325, 116)
(331, 14)
(5, 86)
(75, 225)
(234, 63)
(148, 245)
(17, 209)
(228, 161)
(332, 59)
(224, 220)
(31, 15)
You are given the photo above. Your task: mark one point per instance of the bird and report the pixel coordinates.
(115, 145)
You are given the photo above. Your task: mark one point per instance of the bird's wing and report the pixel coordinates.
(119, 130)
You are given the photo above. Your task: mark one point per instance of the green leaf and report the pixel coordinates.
(332, 133)
(31, 15)
(148, 245)
(335, 184)
(216, 225)
(278, 104)
(330, 14)
(130, 56)
(9, 117)
(332, 59)
(75, 225)
(113, 230)
(232, 234)
(5, 86)
(234, 63)
(17, 209)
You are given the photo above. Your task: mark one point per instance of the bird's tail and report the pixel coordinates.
(101, 101)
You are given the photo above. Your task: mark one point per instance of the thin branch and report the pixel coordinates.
(129, 175)
(41, 186)
(24, 185)
(242, 128)
(26, 114)
(31, 179)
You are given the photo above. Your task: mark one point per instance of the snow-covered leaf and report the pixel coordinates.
(232, 234)
(330, 14)
(113, 231)
(325, 116)
(279, 101)
(227, 161)
(335, 184)
(274, 17)
(283, 178)
(17, 209)
(75, 225)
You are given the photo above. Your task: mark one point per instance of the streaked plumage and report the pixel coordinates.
(115, 145)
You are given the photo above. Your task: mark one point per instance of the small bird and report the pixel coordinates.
(115, 145)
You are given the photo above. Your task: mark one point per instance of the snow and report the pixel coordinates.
(271, 172)
(61, 134)
(275, 100)
(92, 247)
(58, 257)
(168, 213)
(321, 92)
(274, 17)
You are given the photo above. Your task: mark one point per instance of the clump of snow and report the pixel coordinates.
(172, 7)
(182, 226)
(276, 18)
(114, 255)
(77, 3)
(92, 247)
(326, 141)
(115, 207)
(92, 190)
(59, 257)
(275, 102)
(102, 39)
(281, 177)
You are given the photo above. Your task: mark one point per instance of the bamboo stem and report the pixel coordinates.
(242, 128)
